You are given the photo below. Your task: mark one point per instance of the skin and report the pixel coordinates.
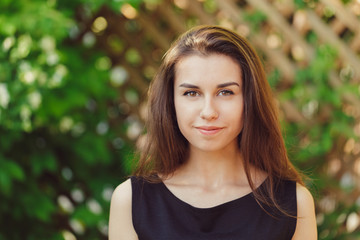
(209, 107)
(209, 103)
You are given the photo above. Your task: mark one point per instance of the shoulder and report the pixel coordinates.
(122, 193)
(120, 221)
(304, 196)
(306, 227)
(305, 202)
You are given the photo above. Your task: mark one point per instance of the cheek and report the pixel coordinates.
(186, 115)
(236, 118)
(178, 108)
(233, 110)
(182, 115)
(180, 111)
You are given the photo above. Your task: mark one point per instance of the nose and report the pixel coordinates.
(209, 112)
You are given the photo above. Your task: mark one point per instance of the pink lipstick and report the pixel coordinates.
(209, 130)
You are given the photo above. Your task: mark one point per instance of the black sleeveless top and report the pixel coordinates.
(159, 215)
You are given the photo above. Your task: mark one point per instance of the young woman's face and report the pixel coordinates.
(209, 101)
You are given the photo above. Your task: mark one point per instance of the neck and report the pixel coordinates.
(214, 169)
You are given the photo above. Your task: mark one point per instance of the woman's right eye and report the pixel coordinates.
(191, 93)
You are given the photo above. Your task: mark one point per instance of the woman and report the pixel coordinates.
(215, 165)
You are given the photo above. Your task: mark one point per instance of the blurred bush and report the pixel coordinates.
(61, 150)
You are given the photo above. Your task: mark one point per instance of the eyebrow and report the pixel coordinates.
(222, 85)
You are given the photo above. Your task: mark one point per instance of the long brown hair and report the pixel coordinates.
(260, 141)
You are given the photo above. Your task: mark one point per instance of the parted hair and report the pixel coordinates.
(260, 142)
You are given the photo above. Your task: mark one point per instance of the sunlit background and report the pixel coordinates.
(73, 82)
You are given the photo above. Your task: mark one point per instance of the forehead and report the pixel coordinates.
(209, 68)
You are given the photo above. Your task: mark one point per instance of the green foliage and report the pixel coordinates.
(255, 18)
(58, 165)
(312, 141)
(301, 4)
(210, 6)
(315, 96)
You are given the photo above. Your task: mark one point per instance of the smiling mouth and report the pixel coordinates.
(209, 130)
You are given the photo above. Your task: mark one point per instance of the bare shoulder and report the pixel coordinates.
(304, 197)
(306, 227)
(120, 221)
(122, 194)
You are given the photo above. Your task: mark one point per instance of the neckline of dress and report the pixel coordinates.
(216, 208)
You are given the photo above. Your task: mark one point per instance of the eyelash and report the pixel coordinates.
(191, 93)
(223, 92)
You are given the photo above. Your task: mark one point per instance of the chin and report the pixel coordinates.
(210, 148)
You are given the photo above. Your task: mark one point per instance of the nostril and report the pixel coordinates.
(209, 111)
(209, 115)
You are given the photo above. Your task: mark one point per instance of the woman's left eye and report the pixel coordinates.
(225, 93)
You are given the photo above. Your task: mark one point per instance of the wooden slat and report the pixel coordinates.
(355, 43)
(195, 8)
(337, 26)
(277, 20)
(152, 31)
(275, 56)
(176, 21)
(327, 35)
(343, 14)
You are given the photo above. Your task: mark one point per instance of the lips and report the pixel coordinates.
(209, 130)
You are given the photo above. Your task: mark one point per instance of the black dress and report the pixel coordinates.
(159, 215)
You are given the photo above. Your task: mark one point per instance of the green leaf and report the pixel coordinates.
(43, 162)
(42, 206)
(15, 171)
(7, 28)
(9, 172)
(5, 182)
